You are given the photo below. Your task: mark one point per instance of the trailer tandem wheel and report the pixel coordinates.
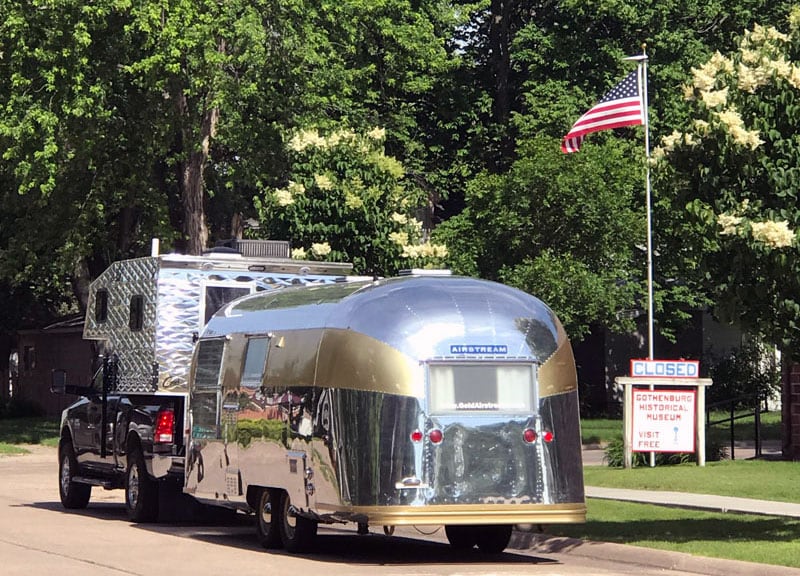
(297, 533)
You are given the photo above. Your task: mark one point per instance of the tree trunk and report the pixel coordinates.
(500, 46)
(195, 228)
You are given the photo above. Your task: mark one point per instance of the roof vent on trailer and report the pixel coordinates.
(424, 272)
(262, 248)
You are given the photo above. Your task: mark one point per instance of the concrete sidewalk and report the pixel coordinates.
(697, 501)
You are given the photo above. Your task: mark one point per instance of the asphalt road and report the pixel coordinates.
(37, 536)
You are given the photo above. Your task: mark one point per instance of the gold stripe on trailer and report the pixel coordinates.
(469, 514)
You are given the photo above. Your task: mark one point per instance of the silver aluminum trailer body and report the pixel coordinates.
(411, 400)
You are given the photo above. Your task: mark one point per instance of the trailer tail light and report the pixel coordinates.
(547, 436)
(436, 436)
(165, 424)
(416, 436)
(529, 435)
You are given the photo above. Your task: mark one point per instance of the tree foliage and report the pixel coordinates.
(563, 228)
(346, 200)
(123, 121)
(732, 169)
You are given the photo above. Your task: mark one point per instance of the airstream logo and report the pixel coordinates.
(479, 349)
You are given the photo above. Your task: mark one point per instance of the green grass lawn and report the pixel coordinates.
(34, 430)
(604, 430)
(762, 539)
(761, 479)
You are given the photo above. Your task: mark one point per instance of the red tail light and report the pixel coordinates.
(165, 425)
(416, 436)
(529, 435)
(436, 435)
(547, 436)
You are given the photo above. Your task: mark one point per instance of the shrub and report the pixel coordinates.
(747, 372)
(615, 455)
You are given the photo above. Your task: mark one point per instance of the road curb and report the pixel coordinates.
(650, 557)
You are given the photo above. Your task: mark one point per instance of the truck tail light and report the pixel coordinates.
(165, 424)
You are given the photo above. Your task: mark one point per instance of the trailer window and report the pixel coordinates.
(254, 361)
(506, 388)
(209, 360)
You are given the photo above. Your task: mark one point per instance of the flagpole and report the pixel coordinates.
(642, 71)
(648, 200)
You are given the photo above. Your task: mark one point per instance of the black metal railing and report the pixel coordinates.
(738, 408)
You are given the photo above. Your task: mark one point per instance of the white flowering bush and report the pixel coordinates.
(729, 180)
(346, 200)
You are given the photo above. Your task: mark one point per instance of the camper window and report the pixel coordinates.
(101, 306)
(219, 294)
(254, 361)
(136, 317)
(485, 387)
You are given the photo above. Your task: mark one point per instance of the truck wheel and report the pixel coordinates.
(141, 491)
(297, 532)
(73, 494)
(269, 514)
(494, 539)
(461, 537)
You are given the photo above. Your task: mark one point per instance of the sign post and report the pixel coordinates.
(664, 409)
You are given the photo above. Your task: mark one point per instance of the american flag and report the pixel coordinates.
(621, 106)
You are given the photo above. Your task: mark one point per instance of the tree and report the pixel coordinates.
(564, 228)
(733, 170)
(345, 200)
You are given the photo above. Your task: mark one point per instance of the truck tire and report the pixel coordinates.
(268, 518)
(141, 491)
(74, 495)
(297, 533)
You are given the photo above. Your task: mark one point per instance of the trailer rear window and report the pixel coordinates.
(506, 388)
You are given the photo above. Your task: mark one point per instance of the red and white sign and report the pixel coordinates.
(665, 368)
(664, 420)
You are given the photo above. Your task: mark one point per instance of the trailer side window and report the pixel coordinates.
(101, 306)
(506, 388)
(254, 361)
(209, 361)
(136, 316)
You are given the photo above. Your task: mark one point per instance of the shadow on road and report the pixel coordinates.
(333, 544)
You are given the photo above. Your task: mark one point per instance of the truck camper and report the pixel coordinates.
(425, 399)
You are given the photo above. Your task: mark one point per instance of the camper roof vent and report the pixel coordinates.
(424, 272)
(262, 248)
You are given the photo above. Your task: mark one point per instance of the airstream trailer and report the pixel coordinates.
(416, 400)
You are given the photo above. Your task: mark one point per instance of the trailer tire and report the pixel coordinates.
(74, 495)
(461, 537)
(297, 533)
(268, 521)
(493, 539)
(141, 491)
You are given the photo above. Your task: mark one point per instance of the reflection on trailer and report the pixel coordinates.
(417, 400)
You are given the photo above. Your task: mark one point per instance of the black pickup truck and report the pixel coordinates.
(116, 440)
